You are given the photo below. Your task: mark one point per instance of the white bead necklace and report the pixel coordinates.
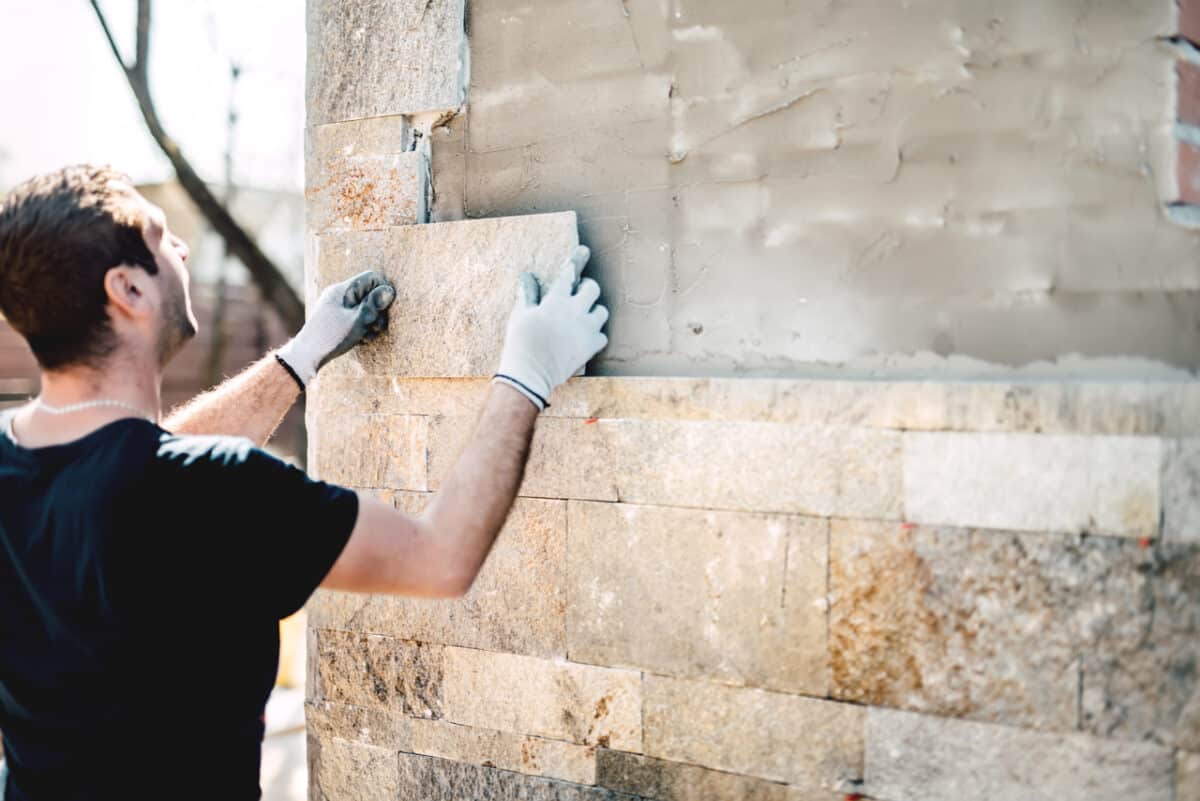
(75, 407)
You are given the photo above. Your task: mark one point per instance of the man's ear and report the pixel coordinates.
(126, 288)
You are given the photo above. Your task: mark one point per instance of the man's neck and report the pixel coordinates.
(138, 386)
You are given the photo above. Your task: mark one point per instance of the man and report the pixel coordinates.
(130, 548)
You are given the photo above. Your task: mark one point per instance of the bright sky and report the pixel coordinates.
(63, 100)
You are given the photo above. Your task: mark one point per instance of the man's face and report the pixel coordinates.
(177, 323)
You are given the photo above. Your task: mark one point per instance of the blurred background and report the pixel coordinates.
(226, 80)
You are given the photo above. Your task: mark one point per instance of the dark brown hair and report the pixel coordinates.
(59, 234)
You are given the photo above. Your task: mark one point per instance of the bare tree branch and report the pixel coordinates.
(276, 291)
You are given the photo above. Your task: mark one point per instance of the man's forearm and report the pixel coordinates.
(470, 508)
(250, 404)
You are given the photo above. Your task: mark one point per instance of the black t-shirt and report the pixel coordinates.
(142, 579)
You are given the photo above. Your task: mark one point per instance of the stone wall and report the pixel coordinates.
(763, 588)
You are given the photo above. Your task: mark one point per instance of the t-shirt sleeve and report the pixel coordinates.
(260, 532)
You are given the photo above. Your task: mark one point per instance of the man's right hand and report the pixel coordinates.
(549, 341)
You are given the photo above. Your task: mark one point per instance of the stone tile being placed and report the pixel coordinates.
(517, 603)
(939, 759)
(1181, 490)
(732, 596)
(374, 451)
(381, 57)
(809, 742)
(354, 770)
(363, 175)
(554, 699)
(456, 284)
(535, 756)
(427, 778)
(1031, 482)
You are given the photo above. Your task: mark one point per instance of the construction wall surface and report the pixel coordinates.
(781, 588)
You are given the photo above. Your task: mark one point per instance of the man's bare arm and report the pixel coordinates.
(438, 554)
(250, 404)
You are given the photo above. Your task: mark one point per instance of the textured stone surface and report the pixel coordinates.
(383, 451)
(662, 780)
(379, 57)
(959, 623)
(733, 596)
(1025, 629)
(1187, 776)
(354, 770)
(567, 459)
(372, 670)
(808, 742)
(535, 756)
(1142, 649)
(424, 778)
(554, 699)
(819, 470)
(1100, 485)
(1166, 408)
(937, 759)
(456, 284)
(363, 175)
(1181, 490)
(517, 603)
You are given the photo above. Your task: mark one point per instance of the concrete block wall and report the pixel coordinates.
(768, 588)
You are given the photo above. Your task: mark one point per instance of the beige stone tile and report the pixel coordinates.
(354, 50)
(939, 759)
(373, 451)
(1181, 490)
(363, 175)
(535, 756)
(816, 470)
(554, 699)
(1031, 482)
(1187, 776)
(347, 769)
(456, 284)
(809, 742)
(733, 596)
(432, 779)
(646, 777)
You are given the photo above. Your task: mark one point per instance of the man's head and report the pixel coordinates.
(89, 271)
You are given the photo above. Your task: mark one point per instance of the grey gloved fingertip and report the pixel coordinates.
(382, 296)
(528, 290)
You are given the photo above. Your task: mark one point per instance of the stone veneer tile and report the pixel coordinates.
(940, 759)
(1032, 482)
(733, 596)
(1181, 490)
(353, 770)
(809, 742)
(554, 699)
(363, 175)
(517, 603)
(535, 756)
(379, 57)
(376, 451)
(818, 470)
(1187, 776)
(662, 780)
(432, 779)
(456, 284)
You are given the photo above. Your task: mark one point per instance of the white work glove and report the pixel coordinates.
(550, 341)
(344, 314)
